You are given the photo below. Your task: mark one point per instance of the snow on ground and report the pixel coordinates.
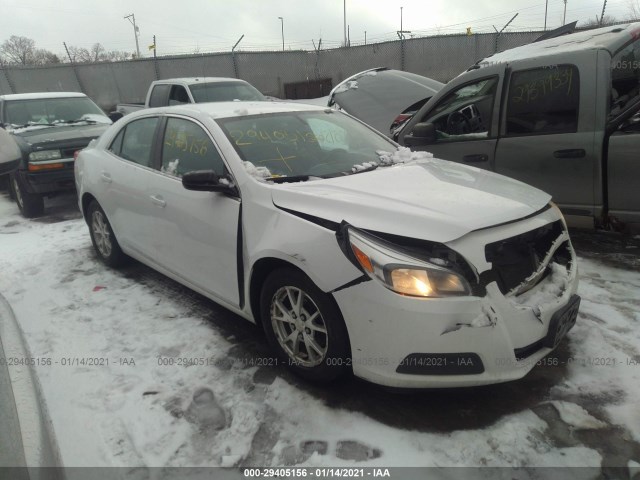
(145, 373)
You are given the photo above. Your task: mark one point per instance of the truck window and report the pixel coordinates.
(178, 95)
(465, 114)
(543, 101)
(159, 95)
(625, 79)
(187, 147)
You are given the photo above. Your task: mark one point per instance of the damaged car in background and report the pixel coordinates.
(354, 254)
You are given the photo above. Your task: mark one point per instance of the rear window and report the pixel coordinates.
(225, 92)
(158, 96)
(543, 101)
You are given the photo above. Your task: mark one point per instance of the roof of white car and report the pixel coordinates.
(192, 80)
(234, 109)
(609, 38)
(36, 96)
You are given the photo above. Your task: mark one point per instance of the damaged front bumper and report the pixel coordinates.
(526, 308)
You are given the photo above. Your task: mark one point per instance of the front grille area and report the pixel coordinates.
(516, 258)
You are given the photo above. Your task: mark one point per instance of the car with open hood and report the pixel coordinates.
(47, 128)
(383, 98)
(353, 254)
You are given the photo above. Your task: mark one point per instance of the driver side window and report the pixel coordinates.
(465, 114)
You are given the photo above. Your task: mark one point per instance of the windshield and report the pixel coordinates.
(225, 92)
(45, 111)
(320, 143)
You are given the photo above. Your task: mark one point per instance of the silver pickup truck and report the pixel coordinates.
(177, 91)
(560, 114)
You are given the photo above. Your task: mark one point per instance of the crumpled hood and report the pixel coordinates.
(432, 200)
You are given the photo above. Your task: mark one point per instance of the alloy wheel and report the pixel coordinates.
(299, 326)
(101, 233)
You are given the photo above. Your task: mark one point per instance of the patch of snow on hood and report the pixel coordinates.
(402, 155)
(241, 112)
(260, 173)
(30, 128)
(343, 87)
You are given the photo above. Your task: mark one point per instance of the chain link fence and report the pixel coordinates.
(438, 57)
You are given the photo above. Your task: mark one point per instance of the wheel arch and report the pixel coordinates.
(261, 269)
(87, 198)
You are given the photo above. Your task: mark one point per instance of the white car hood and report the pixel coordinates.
(432, 200)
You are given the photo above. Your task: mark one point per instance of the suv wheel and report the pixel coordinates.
(30, 204)
(304, 325)
(102, 237)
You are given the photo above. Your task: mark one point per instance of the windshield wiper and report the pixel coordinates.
(293, 178)
(79, 120)
(355, 170)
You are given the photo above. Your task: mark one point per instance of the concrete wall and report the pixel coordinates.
(440, 57)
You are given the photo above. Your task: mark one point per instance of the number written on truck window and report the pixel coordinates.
(543, 100)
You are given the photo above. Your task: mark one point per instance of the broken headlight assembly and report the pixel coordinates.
(399, 271)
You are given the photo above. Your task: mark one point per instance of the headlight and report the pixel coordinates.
(45, 155)
(400, 272)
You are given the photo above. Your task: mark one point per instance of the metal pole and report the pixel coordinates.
(546, 8)
(344, 16)
(233, 56)
(603, 7)
(401, 20)
(282, 26)
(365, 37)
(135, 31)
(564, 18)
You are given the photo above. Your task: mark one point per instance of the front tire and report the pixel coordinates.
(304, 326)
(104, 241)
(30, 204)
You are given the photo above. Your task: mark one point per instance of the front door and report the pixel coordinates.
(547, 133)
(196, 232)
(465, 117)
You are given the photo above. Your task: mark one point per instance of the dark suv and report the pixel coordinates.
(48, 128)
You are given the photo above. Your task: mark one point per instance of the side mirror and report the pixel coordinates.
(10, 153)
(421, 134)
(208, 181)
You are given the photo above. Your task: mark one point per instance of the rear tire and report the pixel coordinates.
(30, 204)
(104, 241)
(304, 326)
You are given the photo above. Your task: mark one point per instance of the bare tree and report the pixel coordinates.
(97, 53)
(44, 57)
(18, 50)
(596, 22)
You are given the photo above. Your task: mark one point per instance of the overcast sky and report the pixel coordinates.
(189, 26)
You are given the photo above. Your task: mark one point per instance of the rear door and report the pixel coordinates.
(123, 181)
(623, 160)
(465, 115)
(549, 136)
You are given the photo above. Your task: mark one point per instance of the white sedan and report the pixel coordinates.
(353, 254)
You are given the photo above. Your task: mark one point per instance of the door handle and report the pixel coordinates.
(570, 153)
(480, 157)
(158, 200)
(106, 178)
